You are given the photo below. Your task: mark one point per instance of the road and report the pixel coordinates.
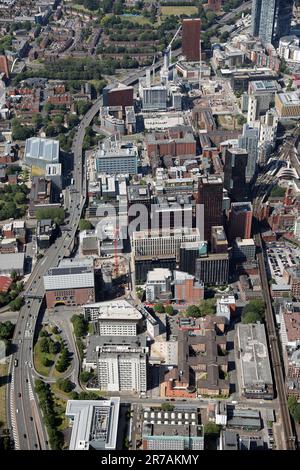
(26, 424)
(230, 15)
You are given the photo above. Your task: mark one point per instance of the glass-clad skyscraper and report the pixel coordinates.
(271, 19)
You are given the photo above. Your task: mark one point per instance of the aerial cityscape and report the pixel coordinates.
(150, 225)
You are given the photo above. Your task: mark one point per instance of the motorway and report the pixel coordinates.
(23, 413)
(24, 417)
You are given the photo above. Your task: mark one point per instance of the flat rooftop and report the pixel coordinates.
(42, 149)
(94, 423)
(289, 99)
(255, 364)
(114, 310)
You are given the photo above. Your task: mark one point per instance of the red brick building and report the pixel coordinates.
(174, 142)
(240, 220)
(186, 290)
(118, 95)
(214, 5)
(191, 38)
(71, 283)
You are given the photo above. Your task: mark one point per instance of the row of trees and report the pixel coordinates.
(294, 408)
(57, 214)
(51, 420)
(205, 307)
(85, 225)
(63, 361)
(80, 325)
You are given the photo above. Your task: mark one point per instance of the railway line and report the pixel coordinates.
(289, 439)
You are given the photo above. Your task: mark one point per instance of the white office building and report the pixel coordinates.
(158, 283)
(162, 242)
(122, 364)
(113, 318)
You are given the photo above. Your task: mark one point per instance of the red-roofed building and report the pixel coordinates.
(5, 283)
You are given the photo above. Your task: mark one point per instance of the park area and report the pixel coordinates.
(178, 11)
(51, 357)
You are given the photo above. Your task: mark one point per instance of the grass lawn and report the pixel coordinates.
(3, 373)
(41, 369)
(56, 390)
(82, 8)
(177, 11)
(136, 19)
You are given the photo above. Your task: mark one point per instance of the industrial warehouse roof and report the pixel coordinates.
(253, 349)
(11, 261)
(70, 274)
(42, 149)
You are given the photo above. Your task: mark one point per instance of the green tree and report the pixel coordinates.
(241, 120)
(6, 330)
(159, 308)
(14, 275)
(55, 330)
(16, 304)
(65, 385)
(73, 120)
(292, 404)
(85, 225)
(85, 376)
(54, 347)
(37, 121)
(20, 198)
(167, 406)
(254, 311)
(277, 191)
(63, 361)
(44, 345)
(193, 311)
(251, 317)
(207, 307)
(169, 309)
(211, 429)
(80, 325)
(57, 214)
(296, 414)
(44, 334)
(46, 362)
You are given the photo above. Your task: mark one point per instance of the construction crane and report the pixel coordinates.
(116, 258)
(169, 48)
(168, 57)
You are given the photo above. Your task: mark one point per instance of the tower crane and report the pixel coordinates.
(168, 56)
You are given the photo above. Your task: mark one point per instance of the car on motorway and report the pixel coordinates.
(19, 395)
(25, 436)
(17, 410)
